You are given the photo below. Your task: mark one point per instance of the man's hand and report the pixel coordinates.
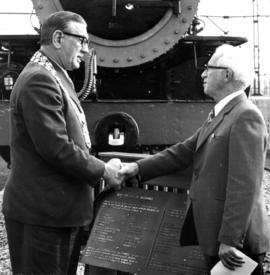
(111, 174)
(115, 162)
(228, 256)
(129, 170)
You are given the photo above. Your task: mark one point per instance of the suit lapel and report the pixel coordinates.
(208, 128)
(68, 84)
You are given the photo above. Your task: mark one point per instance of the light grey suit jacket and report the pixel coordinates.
(226, 189)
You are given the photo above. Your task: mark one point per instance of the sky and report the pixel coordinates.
(208, 10)
(239, 26)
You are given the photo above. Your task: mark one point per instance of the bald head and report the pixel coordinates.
(229, 70)
(238, 61)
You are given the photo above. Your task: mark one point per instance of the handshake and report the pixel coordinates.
(117, 172)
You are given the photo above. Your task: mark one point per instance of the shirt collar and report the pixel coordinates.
(224, 101)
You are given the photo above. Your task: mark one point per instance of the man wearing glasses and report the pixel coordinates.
(48, 197)
(227, 210)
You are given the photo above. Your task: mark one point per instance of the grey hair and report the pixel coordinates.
(57, 21)
(239, 61)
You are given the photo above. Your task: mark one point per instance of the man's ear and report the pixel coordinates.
(228, 74)
(57, 39)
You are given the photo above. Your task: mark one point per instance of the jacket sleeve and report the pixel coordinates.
(42, 107)
(176, 157)
(247, 148)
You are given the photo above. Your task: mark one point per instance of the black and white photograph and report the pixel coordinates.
(134, 137)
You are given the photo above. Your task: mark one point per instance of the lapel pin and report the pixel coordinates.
(212, 136)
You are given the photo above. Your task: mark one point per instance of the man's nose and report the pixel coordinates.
(203, 75)
(85, 48)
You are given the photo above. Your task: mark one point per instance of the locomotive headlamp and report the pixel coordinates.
(129, 6)
(197, 26)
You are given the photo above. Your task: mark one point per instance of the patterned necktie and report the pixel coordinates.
(211, 116)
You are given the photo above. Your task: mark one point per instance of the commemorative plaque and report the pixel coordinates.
(137, 231)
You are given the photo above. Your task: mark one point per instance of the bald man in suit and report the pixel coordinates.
(226, 211)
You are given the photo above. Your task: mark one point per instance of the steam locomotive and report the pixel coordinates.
(140, 86)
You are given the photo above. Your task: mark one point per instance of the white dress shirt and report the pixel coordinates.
(224, 101)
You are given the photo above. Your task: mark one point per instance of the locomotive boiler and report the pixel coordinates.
(140, 86)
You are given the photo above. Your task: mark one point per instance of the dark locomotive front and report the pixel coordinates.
(140, 88)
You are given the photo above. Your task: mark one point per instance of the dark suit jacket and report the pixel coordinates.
(226, 190)
(52, 170)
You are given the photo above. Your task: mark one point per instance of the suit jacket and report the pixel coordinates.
(52, 169)
(226, 190)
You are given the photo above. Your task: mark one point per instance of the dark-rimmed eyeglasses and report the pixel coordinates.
(83, 40)
(206, 67)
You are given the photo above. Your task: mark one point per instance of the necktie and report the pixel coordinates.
(211, 116)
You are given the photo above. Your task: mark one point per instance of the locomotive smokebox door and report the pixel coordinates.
(128, 33)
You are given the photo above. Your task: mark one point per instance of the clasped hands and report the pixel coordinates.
(117, 172)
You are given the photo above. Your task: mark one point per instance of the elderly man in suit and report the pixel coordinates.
(48, 196)
(227, 210)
